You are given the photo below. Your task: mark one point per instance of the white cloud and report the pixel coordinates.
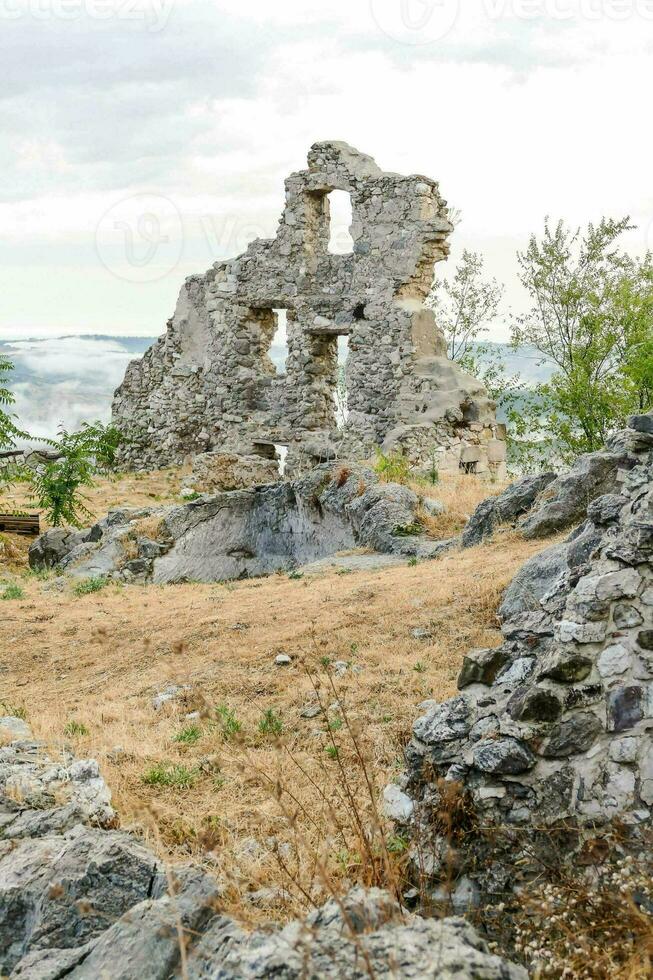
(519, 111)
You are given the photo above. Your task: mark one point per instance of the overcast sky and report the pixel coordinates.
(143, 139)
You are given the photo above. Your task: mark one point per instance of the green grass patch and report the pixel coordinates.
(13, 710)
(270, 723)
(12, 592)
(229, 724)
(75, 729)
(89, 585)
(188, 735)
(170, 774)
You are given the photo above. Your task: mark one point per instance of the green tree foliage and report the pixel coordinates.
(591, 314)
(78, 457)
(9, 431)
(465, 307)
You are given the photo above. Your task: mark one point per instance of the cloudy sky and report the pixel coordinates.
(143, 139)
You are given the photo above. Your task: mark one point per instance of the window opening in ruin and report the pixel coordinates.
(279, 345)
(359, 311)
(281, 454)
(340, 395)
(340, 219)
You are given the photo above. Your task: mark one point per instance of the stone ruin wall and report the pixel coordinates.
(209, 384)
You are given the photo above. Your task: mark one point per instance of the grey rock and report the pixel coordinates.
(606, 509)
(246, 533)
(482, 666)
(566, 499)
(516, 500)
(55, 544)
(13, 728)
(534, 579)
(361, 936)
(534, 704)
(171, 693)
(573, 735)
(144, 942)
(60, 891)
(566, 666)
(506, 756)
(626, 616)
(448, 721)
(625, 708)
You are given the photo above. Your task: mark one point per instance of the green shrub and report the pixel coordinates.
(89, 585)
(393, 468)
(171, 774)
(12, 592)
(407, 530)
(79, 457)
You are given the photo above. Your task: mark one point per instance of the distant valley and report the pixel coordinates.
(64, 381)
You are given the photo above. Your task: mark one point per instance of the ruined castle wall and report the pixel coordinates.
(210, 384)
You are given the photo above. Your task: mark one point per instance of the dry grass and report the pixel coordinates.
(122, 490)
(460, 495)
(250, 801)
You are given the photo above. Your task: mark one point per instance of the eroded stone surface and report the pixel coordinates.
(557, 723)
(209, 383)
(253, 532)
(87, 903)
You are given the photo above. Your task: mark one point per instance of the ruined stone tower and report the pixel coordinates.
(209, 382)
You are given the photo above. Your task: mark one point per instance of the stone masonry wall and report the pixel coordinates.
(209, 382)
(556, 723)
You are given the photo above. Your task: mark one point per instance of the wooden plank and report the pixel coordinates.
(20, 524)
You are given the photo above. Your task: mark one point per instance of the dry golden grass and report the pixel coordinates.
(122, 490)
(98, 660)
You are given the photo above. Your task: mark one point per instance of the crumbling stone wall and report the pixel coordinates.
(209, 382)
(556, 724)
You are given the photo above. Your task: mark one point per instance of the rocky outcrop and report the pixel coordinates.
(246, 533)
(544, 504)
(556, 724)
(516, 500)
(81, 901)
(209, 384)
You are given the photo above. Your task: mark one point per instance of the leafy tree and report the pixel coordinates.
(9, 431)
(591, 315)
(76, 459)
(464, 308)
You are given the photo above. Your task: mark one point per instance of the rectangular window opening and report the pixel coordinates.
(340, 221)
(340, 395)
(281, 454)
(279, 345)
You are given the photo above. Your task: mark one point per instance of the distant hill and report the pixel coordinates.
(70, 379)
